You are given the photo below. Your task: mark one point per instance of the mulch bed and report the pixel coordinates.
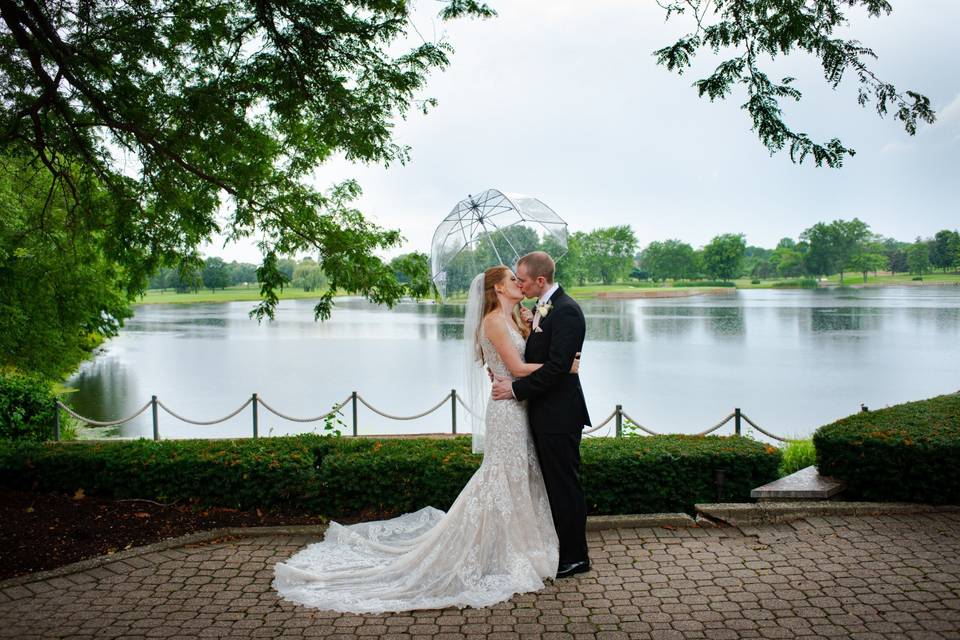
(40, 531)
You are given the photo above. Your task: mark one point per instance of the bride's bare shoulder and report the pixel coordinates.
(493, 323)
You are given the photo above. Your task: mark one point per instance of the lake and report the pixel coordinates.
(792, 360)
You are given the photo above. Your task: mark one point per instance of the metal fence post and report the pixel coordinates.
(453, 409)
(56, 420)
(156, 422)
(254, 402)
(353, 397)
(736, 420)
(619, 420)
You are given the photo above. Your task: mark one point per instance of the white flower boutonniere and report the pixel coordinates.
(544, 309)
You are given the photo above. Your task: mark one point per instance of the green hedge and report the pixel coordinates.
(904, 453)
(346, 477)
(26, 407)
(245, 474)
(658, 474)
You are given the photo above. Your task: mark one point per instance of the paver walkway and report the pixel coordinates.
(858, 577)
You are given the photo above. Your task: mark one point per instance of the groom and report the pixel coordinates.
(555, 404)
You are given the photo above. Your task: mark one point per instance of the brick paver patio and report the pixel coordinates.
(858, 577)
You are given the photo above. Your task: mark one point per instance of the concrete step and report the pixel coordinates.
(806, 484)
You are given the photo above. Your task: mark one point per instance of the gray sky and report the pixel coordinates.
(562, 100)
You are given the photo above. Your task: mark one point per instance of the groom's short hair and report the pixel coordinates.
(538, 263)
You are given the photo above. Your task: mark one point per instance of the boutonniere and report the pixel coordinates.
(544, 308)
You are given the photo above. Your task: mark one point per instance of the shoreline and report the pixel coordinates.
(665, 292)
(625, 293)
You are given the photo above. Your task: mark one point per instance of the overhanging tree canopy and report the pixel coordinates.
(183, 109)
(754, 30)
(166, 121)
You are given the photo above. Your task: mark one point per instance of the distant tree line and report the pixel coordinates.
(608, 255)
(825, 249)
(412, 269)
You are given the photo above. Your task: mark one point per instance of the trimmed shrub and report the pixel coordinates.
(243, 474)
(658, 474)
(26, 407)
(346, 477)
(905, 453)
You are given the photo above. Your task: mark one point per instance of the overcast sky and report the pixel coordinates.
(562, 100)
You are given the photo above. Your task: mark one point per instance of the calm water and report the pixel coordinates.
(792, 360)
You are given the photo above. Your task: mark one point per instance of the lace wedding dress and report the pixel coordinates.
(496, 540)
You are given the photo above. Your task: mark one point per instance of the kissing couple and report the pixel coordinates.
(521, 518)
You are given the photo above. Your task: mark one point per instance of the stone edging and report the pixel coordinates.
(750, 514)
(734, 514)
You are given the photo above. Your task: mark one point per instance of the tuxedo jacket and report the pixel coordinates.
(554, 397)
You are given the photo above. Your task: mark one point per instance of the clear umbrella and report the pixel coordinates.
(488, 229)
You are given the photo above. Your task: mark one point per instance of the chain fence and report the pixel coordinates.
(622, 422)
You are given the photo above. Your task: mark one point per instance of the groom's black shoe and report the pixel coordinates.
(567, 569)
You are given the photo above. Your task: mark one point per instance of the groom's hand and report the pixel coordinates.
(502, 388)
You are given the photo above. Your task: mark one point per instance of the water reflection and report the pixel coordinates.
(845, 319)
(793, 360)
(726, 322)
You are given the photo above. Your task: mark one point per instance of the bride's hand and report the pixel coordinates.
(576, 364)
(526, 315)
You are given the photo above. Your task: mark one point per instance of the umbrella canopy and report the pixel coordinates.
(488, 229)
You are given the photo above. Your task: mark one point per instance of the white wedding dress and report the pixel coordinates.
(496, 540)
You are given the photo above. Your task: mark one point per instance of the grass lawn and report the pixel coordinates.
(900, 278)
(230, 294)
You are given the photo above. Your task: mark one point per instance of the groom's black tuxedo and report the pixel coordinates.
(558, 414)
(555, 398)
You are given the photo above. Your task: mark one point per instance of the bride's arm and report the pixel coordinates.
(496, 329)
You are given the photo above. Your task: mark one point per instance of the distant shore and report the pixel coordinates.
(612, 292)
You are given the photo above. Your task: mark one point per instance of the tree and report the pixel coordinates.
(188, 277)
(242, 272)
(918, 257)
(215, 274)
(942, 253)
(833, 246)
(756, 30)
(308, 276)
(608, 253)
(897, 261)
(848, 238)
(225, 107)
(669, 259)
(59, 295)
(756, 261)
(867, 262)
(953, 250)
(413, 270)
(787, 261)
(722, 258)
(572, 267)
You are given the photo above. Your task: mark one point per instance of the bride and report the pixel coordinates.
(498, 537)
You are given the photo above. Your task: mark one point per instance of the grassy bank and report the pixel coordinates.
(252, 293)
(230, 294)
(854, 279)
